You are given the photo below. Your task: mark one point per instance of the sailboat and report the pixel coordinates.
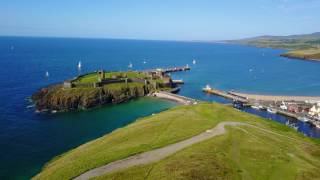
(47, 74)
(194, 61)
(130, 65)
(79, 65)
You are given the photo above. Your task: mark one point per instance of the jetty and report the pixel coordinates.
(225, 95)
(174, 97)
(169, 70)
(274, 97)
(290, 106)
(178, 81)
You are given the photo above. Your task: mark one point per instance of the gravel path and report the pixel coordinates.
(157, 154)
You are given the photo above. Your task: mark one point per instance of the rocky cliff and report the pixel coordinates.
(57, 98)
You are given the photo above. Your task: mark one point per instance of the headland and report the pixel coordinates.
(102, 87)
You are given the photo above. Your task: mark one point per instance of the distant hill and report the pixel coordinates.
(291, 42)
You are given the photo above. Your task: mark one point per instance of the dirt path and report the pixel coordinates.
(157, 154)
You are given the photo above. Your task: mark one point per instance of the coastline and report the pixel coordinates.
(298, 58)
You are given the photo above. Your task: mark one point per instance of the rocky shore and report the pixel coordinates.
(101, 87)
(58, 98)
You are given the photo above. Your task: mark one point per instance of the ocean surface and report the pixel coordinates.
(28, 139)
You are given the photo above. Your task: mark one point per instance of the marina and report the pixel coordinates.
(302, 108)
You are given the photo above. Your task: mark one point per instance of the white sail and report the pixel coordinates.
(130, 65)
(194, 61)
(47, 74)
(79, 65)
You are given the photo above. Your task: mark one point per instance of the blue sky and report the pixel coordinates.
(162, 19)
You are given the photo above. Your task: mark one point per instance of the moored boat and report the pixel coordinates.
(272, 111)
(255, 107)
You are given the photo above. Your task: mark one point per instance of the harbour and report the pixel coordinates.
(302, 108)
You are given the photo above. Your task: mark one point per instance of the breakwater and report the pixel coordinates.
(274, 97)
(298, 107)
(174, 97)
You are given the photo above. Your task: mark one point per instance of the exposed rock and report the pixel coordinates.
(57, 98)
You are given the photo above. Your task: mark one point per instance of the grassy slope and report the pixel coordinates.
(241, 153)
(300, 46)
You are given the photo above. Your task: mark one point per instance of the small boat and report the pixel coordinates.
(130, 65)
(304, 119)
(47, 74)
(255, 107)
(194, 61)
(272, 111)
(144, 62)
(207, 87)
(237, 105)
(79, 65)
(261, 107)
(293, 125)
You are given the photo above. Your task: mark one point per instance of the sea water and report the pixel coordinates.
(29, 139)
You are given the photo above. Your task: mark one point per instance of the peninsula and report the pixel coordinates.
(305, 46)
(101, 87)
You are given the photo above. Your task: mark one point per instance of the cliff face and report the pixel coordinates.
(61, 99)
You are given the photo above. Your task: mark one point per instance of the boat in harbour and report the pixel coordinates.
(304, 119)
(272, 111)
(255, 107)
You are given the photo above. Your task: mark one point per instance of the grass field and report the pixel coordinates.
(243, 153)
(94, 77)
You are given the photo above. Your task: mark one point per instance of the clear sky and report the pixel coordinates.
(162, 19)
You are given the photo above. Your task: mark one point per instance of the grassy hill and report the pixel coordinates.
(311, 54)
(243, 153)
(306, 46)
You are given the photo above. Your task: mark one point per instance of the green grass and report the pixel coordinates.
(242, 153)
(94, 77)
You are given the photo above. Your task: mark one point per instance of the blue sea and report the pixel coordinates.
(28, 139)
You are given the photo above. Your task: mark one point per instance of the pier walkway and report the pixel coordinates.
(226, 95)
(178, 98)
(170, 70)
(275, 98)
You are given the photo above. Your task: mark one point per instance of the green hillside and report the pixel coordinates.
(267, 151)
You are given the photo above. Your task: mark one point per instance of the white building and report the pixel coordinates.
(315, 110)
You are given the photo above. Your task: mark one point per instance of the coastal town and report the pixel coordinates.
(302, 108)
